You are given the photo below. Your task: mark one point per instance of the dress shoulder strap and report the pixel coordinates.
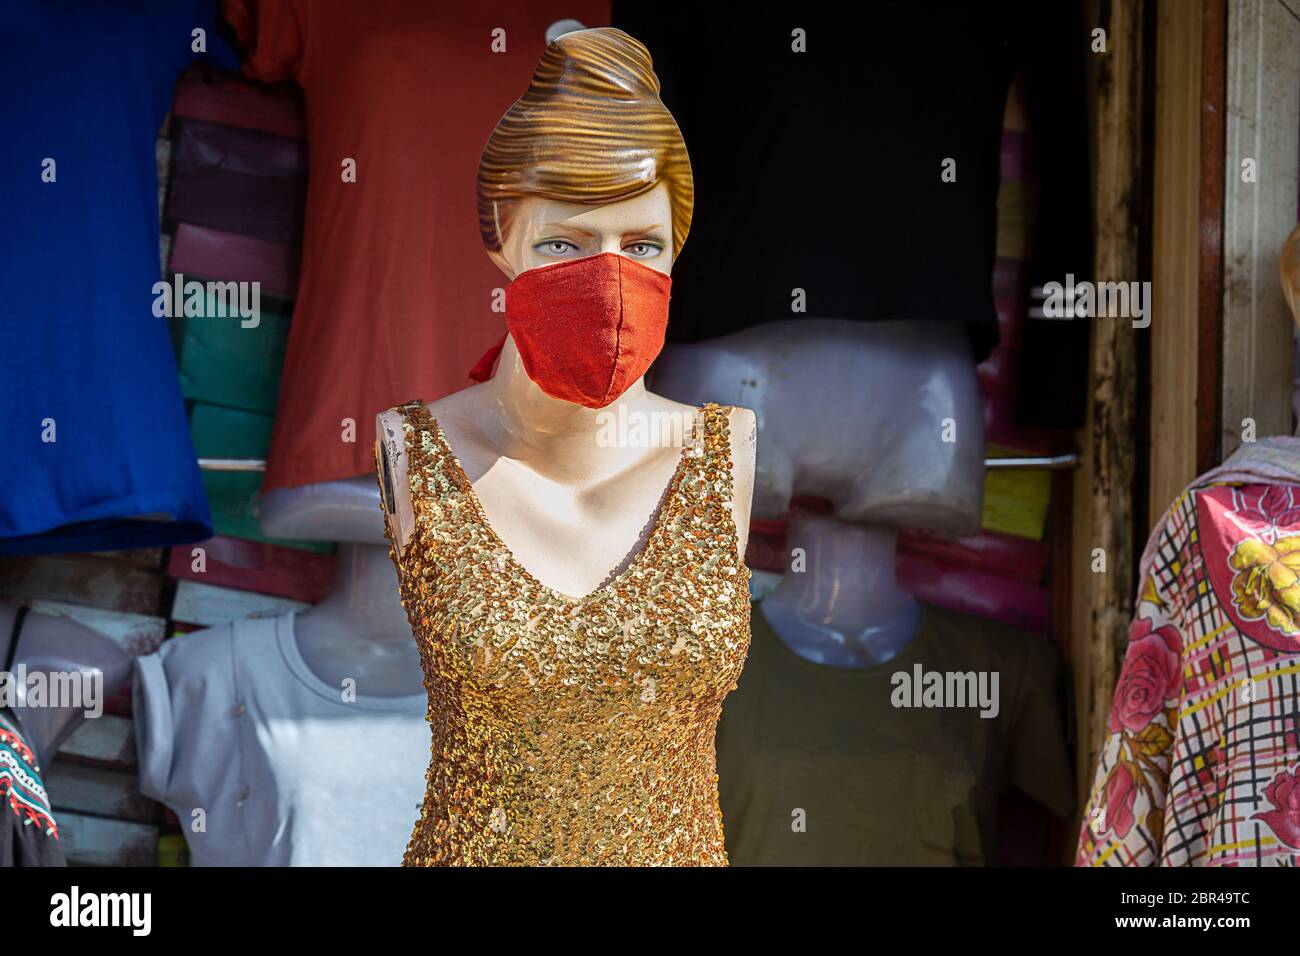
(716, 453)
(710, 479)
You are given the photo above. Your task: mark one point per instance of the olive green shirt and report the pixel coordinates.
(818, 767)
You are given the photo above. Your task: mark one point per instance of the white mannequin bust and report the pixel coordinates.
(884, 420)
(360, 630)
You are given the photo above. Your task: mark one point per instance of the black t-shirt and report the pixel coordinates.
(822, 170)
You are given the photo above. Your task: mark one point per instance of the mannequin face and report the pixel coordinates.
(544, 231)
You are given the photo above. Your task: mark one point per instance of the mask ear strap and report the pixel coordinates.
(482, 370)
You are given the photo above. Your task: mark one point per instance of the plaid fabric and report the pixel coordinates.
(1202, 764)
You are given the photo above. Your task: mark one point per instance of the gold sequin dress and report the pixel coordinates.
(573, 731)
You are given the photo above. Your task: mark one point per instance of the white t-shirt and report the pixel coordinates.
(231, 720)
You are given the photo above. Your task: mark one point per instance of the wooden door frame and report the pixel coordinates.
(1188, 88)
(1102, 494)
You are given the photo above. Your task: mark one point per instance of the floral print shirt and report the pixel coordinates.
(1202, 763)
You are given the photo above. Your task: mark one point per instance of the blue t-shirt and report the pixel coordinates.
(95, 452)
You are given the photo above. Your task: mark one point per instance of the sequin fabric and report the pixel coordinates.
(573, 731)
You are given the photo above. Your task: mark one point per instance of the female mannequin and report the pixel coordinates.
(577, 592)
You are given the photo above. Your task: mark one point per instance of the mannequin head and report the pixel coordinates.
(586, 169)
(590, 131)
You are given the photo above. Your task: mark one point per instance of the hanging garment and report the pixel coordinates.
(396, 291)
(29, 835)
(851, 174)
(566, 730)
(286, 770)
(821, 766)
(97, 452)
(1202, 763)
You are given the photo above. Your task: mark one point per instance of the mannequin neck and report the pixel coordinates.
(531, 417)
(360, 632)
(365, 583)
(845, 607)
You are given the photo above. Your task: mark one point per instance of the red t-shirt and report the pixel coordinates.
(394, 299)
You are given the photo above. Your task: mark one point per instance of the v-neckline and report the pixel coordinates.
(613, 579)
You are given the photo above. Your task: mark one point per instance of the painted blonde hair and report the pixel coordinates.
(589, 129)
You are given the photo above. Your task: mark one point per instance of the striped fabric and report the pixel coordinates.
(1202, 763)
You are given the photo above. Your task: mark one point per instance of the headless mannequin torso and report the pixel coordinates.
(359, 630)
(896, 441)
(57, 646)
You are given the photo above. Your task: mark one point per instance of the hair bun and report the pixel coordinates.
(590, 128)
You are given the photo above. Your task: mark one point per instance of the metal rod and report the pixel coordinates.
(1045, 462)
(232, 464)
(1048, 462)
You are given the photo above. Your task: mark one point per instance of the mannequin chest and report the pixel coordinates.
(570, 534)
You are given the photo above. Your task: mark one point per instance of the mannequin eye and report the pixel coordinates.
(555, 248)
(643, 250)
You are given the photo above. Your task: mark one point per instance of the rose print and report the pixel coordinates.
(1267, 582)
(1151, 676)
(1121, 791)
(1284, 819)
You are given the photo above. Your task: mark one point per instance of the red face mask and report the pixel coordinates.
(585, 329)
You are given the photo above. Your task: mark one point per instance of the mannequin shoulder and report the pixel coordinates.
(743, 426)
(390, 450)
(394, 484)
(392, 461)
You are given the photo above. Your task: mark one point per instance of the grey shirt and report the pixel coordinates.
(230, 721)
